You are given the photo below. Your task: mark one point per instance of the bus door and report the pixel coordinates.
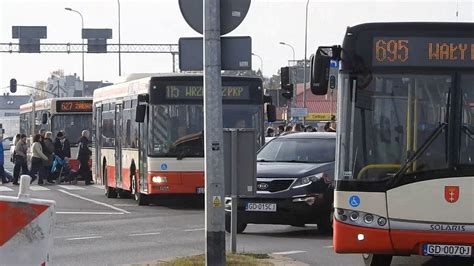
(98, 144)
(118, 144)
(143, 155)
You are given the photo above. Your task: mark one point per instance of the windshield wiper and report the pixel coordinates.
(292, 161)
(398, 175)
(468, 132)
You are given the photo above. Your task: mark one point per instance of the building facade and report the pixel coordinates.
(10, 112)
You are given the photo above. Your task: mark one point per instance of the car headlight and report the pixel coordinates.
(159, 179)
(307, 180)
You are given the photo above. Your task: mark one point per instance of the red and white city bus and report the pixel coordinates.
(162, 154)
(405, 139)
(70, 115)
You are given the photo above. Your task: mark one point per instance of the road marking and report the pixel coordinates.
(125, 205)
(39, 188)
(289, 252)
(94, 201)
(328, 246)
(99, 186)
(5, 189)
(85, 237)
(92, 213)
(145, 234)
(70, 187)
(193, 230)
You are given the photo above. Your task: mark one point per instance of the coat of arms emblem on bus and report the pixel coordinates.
(451, 193)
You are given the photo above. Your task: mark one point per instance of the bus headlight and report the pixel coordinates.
(159, 179)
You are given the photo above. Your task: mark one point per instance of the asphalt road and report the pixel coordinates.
(93, 230)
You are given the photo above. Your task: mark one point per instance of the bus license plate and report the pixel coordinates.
(261, 207)
(200, 190)
(447, 250)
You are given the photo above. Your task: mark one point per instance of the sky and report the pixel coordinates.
(268, 22)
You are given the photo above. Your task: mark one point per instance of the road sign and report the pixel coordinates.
(299, 112)
(232, 13)
(319, 116)
(236, 53)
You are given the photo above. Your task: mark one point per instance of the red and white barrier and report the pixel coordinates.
(25, 228)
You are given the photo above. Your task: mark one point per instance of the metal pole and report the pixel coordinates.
(83, 77)
(58, 88)
(294, 79)
(261, 63)
(305, 50)
(120, 59)
(234, 181)
(213, 141)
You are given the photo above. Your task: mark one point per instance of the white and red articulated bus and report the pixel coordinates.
(149, 132)
(405, 139)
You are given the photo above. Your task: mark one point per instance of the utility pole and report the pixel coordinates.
(214, 136)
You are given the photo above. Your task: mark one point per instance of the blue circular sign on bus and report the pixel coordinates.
(354, 201)
(164, 166)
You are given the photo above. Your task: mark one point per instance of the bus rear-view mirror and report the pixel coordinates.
(140, 114)
(320, 63)
(271, 113)
(44, 118)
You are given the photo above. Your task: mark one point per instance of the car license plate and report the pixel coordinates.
(447, 250)
(200, 190)
(261, 207)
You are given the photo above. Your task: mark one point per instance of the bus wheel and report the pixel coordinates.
(377, 259)
(141, 199)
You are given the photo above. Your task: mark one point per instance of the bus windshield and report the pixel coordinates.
(391, 119)
(71, 124)
(178, 130)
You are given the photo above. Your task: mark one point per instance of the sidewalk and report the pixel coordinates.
(276, 260)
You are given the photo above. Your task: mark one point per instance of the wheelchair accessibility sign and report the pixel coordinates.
(354, 201)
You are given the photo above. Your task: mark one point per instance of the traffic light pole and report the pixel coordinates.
(213, 136)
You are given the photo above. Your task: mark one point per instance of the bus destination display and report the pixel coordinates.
(74, 106)
(197, 92)
(423, 52)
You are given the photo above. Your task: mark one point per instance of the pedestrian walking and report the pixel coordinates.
(281, 129)
(84, 156)
(62, 147)
(37, 164)
(2, 169)
(48, 151)
(21, 149)
(298, 127)
(270, 132)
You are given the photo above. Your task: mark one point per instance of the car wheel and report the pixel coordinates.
(240, 226)
(377, 259)
(325, 224)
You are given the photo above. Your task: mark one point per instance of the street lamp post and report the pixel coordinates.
(261, 63)
(119, 54)
(305, 50)
(82, 28)
(295, 72)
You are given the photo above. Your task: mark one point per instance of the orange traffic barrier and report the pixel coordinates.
(25, 228)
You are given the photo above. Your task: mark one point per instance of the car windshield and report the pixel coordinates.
(72, 125)
(304, 150)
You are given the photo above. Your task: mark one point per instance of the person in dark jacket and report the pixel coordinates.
(62, 147)
(83, 157)
(2, 161)
(48, 151)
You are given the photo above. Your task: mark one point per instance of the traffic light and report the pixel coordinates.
(285, 75)
(287, 91)
(13, 85)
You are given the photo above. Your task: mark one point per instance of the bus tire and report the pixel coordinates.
(140, 198)
(377, 259)
(325, 223)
